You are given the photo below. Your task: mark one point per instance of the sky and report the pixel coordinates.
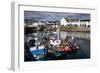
(54, 16)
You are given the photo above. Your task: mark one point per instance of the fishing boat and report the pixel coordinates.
(36, 48)
(59, 47)
(38, 52)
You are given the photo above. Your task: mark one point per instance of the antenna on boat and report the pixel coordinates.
(58, 32)
(72, 37)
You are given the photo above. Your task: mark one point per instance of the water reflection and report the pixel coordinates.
(85, 35)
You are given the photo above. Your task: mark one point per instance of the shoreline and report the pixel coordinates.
(76, 30)
(71, 30)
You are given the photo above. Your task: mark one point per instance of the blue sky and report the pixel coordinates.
(52, 16)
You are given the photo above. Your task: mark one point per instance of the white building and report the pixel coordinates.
(66, 21)
(85, 22)
(35, 24)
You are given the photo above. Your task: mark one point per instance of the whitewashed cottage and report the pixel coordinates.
(69, 21)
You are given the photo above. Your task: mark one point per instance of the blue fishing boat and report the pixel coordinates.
(38, 52)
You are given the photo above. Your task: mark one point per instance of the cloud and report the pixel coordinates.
(54, 15)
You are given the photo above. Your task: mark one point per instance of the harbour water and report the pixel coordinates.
(82, 37)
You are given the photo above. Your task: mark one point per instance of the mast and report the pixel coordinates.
(58, 33)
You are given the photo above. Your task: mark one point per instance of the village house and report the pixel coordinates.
(69, 21)
(85, 23)
(53, 24)
(77, 22)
